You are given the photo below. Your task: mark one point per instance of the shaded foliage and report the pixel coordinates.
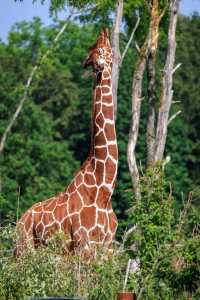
(51, 138)
(43, 149)
(166, 248)
(46, 272)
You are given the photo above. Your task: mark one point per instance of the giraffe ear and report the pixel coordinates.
(105, 32)
(105, 36)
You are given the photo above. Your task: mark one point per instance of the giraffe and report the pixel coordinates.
(84, 210)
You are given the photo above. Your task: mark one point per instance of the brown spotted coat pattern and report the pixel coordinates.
(84, 210)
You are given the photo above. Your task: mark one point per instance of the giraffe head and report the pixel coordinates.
(100, 54)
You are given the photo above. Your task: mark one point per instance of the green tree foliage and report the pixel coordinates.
(166, 247)
(52, 135)
(37, 160)
(187, 85)
(47, 273)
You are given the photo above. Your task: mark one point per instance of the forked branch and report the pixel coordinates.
(167, 82)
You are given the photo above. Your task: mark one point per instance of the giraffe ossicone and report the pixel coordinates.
(84, 210)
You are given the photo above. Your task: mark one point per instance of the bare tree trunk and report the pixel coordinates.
(136, 105)
(167, 82)
(151, 114)
(117, 57)
(151, 75)
(116, 51)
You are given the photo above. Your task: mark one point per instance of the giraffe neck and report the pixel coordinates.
(103, 127)
(104, 152)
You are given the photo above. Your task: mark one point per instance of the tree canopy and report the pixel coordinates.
(55, 122)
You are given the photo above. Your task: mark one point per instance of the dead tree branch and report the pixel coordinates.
(18, 110)
(151, 75)
(151, 114)
(174, 116)
(130, 40)
(28, 83)
(167, 82)
(115, 41)
(137, 47)
(177, 67)
(136, 105)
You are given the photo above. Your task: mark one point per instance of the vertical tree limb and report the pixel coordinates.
(151, 75)
(117, 57)
(136, 105)
(116, 51)
(151, 114)
(167, 82)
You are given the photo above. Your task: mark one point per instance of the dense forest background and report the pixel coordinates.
(158, 236)
(52, 134)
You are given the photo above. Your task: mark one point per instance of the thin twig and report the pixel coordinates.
(18, 110)
(183, 214)
(162, 13)
(174, 102)
(174, 116)
(130, 40)
(127, 273)
(137, 47)
(176, 68)
(18, 198)
(141, 168)
(125, 238)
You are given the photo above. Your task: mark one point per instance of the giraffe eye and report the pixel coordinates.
(100, 50)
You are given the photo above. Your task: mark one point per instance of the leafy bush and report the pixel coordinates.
(47, 272)
(167, 248)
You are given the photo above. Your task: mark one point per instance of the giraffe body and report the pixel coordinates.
(84, 210)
